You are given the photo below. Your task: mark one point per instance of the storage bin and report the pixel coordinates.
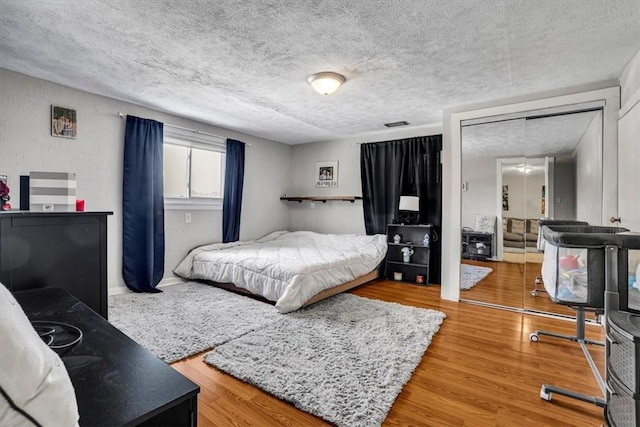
(52, 192)
(622, 408)
(623, 330)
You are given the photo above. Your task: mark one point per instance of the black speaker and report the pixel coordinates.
(24, 192)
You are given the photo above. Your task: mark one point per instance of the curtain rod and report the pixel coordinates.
(124, 116)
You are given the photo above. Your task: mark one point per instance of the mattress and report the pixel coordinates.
(286, 267)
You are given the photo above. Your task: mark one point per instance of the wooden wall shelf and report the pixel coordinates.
(322, 199)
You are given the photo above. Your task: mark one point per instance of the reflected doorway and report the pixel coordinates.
(518, 171)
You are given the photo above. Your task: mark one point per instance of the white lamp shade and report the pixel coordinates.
(326, 83)
(409, 203)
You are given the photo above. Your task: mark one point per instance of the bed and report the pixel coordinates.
(292, 269)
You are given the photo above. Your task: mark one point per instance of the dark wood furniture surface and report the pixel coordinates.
(65, 249)
(477, 245)
(117, 381)
(412, 236)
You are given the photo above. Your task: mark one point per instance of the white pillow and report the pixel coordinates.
(485, 223)
(31, 374)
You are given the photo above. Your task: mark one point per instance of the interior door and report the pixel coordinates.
(629, 169)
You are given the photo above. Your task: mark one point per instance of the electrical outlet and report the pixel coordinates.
(187, 217)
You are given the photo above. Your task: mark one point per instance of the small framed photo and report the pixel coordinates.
(327, 174)
(64, 122)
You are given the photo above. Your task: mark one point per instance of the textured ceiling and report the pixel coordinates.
(546, 136)
(243, 64)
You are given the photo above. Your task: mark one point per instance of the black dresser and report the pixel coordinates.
(64, 249)
(117, 382)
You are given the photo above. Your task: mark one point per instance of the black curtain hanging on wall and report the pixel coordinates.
(408, 166)
(142, 205)
(233, 183)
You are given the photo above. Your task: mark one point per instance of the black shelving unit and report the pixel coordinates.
(477, 245)
(411, 236)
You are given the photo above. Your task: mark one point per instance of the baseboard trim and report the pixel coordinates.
(168, 281)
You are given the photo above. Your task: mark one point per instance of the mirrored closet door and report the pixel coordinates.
(565, 176)
(492, 185)
(516, 171)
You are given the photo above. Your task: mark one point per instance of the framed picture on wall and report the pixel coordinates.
(326, 174)
(505, 197)
(64, 122)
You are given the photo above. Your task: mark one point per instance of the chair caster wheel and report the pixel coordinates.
(534, 293)
(534, 337)
(545, 395)
(538, 281)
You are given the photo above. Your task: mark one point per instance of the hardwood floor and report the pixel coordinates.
(480, 370)
(510, 284)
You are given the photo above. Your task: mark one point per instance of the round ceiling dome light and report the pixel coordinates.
(326, 82)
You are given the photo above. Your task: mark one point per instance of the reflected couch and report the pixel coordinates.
(519, 232)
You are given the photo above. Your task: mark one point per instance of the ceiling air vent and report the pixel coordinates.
(396, 124)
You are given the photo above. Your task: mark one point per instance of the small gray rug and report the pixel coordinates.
(470, 275)
(188, 318)
(344, 359)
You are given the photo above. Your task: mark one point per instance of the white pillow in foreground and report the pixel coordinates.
(31, 374)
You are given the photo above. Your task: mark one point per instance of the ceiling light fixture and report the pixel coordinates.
(326, 82)
(524, 168)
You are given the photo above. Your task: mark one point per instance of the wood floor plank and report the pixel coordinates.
(481, 369)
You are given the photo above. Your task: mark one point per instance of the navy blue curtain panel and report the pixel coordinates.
(391, 169)
(142, 205)
(233, 181)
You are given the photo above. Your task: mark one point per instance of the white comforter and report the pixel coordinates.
(287, 267)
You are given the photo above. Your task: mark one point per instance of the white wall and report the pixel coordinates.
(335, 216)
(629, 159)
(630, 81)
(96, 157)
(588, 155)
(525, 194)
(479, 173)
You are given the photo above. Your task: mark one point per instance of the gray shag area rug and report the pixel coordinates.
(188, 318)
(344, 359)
(470, 275)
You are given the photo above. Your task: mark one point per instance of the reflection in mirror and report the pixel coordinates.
(486, 149)
(515, 172)
(571, 147)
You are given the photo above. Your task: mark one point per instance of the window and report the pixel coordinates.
(193, 169)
